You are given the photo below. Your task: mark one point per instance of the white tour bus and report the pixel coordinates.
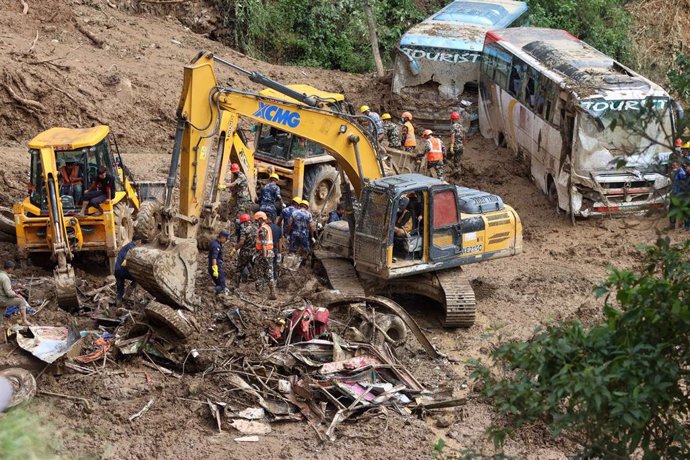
(594, 134)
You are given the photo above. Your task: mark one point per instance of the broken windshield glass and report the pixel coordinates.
(629, 133)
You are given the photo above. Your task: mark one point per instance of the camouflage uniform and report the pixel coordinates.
(457, 148)
(436, 165)
(241, 199)
(393, 134)
(301, 220)
(270, 194)
(264, 264)
(246, 252)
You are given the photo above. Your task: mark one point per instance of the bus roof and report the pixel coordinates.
(567, 59)
(462, 24)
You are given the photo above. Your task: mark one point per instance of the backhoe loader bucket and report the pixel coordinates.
(66, 288)
(168, 273)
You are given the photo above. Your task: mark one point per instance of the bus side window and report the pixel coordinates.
(557, 111)
(517, 74)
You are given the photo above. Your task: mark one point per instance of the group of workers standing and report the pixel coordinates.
(402, 136)
(261, 238)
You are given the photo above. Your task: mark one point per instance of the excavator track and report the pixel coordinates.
(341, 273)
(460, 302)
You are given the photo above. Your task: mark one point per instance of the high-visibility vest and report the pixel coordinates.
(269, 239)
(410, 139)
(435, 153)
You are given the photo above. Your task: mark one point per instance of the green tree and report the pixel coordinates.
(618, 386)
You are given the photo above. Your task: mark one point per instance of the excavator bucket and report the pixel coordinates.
(66, 288)
(167, 273)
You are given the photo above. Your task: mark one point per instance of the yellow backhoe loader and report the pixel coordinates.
(64, 163)
(452, 226)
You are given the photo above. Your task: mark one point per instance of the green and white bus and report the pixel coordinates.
(594, 134)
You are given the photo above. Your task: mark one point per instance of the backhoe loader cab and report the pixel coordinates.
(64, 164)
(306, 169)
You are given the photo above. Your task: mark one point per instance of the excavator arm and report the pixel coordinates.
(207, 116)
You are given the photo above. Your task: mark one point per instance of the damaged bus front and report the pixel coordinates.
(619, 156)
(439, 58)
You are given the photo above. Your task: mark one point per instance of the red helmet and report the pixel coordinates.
(234, 167)
(245, 218)
(679, 142)
(455, 116)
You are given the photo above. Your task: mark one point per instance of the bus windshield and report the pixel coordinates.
(637, 132)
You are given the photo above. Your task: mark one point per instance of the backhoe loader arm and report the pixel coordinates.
(63, 273)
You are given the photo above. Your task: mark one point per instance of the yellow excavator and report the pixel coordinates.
(373, 251)
(48, 221)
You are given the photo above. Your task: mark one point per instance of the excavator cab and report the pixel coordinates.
(413, 224)
(64, 164)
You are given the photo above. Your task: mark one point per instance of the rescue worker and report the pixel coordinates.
(301, 229)
(101, 190)
(335, 216)
(245, 248)
(264, 255)
(376, 120)
(457, 138)
(71, 180)
(392, 131)
(277, 247)
(215, 261)
(678, 184)
(434, 151)
(270, 195)
(239, 187)
(121, 271)
(408, 137)
(286, 213)
(403, 221)
(10, 299)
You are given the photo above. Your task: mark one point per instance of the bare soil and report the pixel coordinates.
(131, 82)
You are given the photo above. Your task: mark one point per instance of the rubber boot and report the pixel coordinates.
(237, 280)
(272, 291)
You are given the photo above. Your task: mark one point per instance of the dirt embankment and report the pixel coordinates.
(131, 81)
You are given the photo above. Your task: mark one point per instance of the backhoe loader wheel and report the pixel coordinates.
(391, 324)
(124, 226)
(174, 320)
(317, 183)
(148, 221)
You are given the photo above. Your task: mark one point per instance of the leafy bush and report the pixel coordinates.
(604, 24)
(680, 77)
(618, 386)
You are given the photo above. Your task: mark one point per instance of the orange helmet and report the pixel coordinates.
(244, 218)
(455, 116)
(407, 115)
(234, 167)
(260, 215)
(426, 132)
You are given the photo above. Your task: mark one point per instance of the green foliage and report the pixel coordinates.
(318, 33)
(24, 436)
(680, 77)
(604, 24)
(619, 385)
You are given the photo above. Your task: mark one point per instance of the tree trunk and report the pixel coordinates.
(371, 22)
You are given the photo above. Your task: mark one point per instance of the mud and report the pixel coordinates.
(132, 84)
